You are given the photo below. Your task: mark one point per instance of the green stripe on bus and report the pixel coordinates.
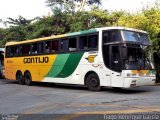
(58, 65)
(82, 32)
(71, 65)
(65, 65)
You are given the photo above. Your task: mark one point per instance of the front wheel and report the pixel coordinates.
(28, 79)
(92, 82)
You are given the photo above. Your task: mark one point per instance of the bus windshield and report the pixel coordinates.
(138, 58)
(135, 37)
(137, 50)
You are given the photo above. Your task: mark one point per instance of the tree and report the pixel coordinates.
(3, 22)
(76, 4)
(21, 21)
(84, 3)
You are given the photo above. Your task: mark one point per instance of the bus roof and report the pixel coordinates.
(122, 28)
(73, 34)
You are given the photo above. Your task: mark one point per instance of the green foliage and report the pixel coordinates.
(68, 20)
(18, 22)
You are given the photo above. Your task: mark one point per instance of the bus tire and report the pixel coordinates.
(28, 78)
(19, 78)
(92, 82)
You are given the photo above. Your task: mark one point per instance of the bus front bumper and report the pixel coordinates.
(139, 81)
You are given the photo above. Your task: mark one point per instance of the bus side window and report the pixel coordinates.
(16, 50)
(12, 51)
(40, 47)
(55, 46)
(34, 48)
(93, 41)
(72, 44)
(111, 36)
(20, 50)
(47, 46)
(83, 43)
(28, 49)
(23, 49)
(64, 45)
(8, 52)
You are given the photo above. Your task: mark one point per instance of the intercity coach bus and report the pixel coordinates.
(116, 57)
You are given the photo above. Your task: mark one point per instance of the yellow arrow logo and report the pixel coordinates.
(91, 58)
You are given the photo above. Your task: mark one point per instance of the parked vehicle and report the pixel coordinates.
(1, 62)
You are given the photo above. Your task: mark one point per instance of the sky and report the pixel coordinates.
(128, 5)
(33, 8)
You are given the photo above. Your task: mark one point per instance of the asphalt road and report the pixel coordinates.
(65, 102)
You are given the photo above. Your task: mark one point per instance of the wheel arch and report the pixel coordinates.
(18, 71)
(27, 71)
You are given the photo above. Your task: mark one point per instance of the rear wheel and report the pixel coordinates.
(19, 78)
(92, 82)
(28, 78)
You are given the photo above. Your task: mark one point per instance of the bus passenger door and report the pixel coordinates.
(116, 66)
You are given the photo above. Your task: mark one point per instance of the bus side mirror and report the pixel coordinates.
(124, 52)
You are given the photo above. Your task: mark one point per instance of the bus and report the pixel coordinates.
(1, 63)
(117, 57)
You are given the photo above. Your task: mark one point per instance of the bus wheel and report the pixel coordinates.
(92, 82)
(19, 78)
(28, 78)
